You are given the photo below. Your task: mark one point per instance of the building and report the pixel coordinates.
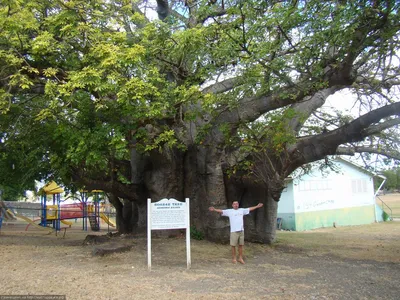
(339, 197)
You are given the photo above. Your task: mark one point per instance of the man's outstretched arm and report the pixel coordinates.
(212, 208)
(255, 207)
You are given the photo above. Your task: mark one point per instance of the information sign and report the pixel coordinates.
(168, 214)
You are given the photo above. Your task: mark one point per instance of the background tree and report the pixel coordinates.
(216, 101)
(392, 182)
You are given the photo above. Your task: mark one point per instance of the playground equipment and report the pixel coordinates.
(56, 213)
(52, 215)
(106, 219)
(3, 212)
(31, 222)
(9, 215)
(93, 210)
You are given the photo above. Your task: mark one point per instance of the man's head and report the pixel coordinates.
(235, 205)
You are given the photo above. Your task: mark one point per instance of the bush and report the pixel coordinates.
(385, 217)
(196, 234)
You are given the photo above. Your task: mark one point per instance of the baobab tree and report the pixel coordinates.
(212, 100)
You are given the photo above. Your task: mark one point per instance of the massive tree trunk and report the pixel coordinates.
(209, 190)
(260, 226)
(200, 174)
(127, 214)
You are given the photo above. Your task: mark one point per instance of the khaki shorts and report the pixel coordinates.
(237, 238)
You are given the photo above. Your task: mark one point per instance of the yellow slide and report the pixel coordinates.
(50, 230)
(106, 219)
(69, 223)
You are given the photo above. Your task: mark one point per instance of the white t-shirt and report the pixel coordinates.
(236, 217)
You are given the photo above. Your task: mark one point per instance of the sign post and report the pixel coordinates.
(168, 214)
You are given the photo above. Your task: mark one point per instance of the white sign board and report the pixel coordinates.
(168, 214)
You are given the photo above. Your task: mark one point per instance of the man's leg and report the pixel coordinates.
(241, 254)
(234, 254)
(234, 243)
(241, 243)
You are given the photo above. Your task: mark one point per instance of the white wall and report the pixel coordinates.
(286, 202)
(350, 187)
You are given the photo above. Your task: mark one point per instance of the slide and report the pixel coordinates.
(33, 222)
(50, 230)
(6, 215)
(66, 222)
(106, 219)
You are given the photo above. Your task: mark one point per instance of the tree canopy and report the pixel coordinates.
(189, 101)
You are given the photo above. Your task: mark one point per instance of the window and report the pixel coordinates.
(315, 185)
(359, 186)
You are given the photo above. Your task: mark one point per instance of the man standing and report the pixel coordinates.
(236, 222)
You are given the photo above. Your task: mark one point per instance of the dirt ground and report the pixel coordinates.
(358, 262)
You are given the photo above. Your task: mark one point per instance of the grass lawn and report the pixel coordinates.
(378, 241)
(391, 200)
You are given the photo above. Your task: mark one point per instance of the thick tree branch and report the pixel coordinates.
(375, 129)
(162, 9)
(305, 108)
(312, 148)
(110, 186)
(351, 151)
(251, 108)
(221, 87)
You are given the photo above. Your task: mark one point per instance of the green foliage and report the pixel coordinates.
(12, 193)
(196, 234)
(272, 132)
(392, 179)
(85, 82)
(385, 217)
